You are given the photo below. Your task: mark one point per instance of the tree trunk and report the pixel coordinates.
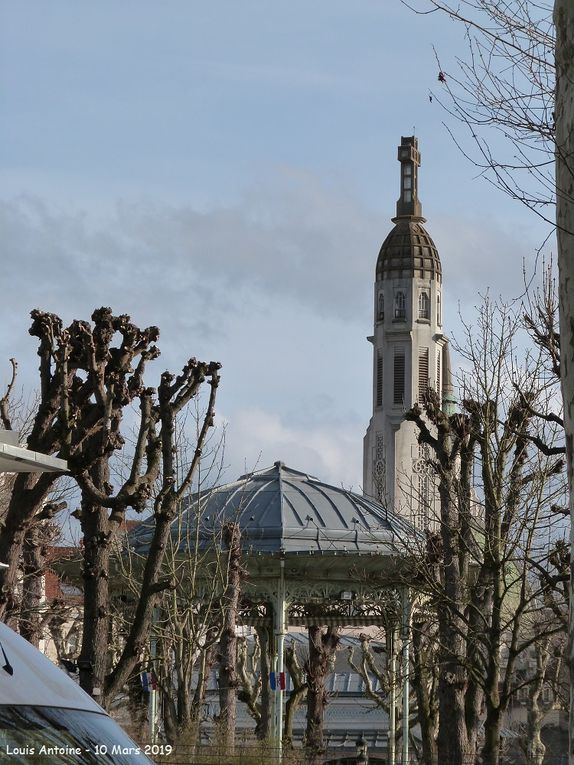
(228, 680)
(535, 747)
(452, 735)
(492, 740)
(322, 647)
(299, 689)
(423, 683)
(264, 637)
(93, 660)
(94, 654)
(33, 563)
(206, 660)
(28, 495)
(564, 110)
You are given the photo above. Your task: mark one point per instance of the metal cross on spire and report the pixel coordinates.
(409, 156)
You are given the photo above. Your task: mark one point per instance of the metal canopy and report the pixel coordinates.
(17, 459)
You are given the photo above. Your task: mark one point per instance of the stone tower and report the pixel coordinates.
(410, 353)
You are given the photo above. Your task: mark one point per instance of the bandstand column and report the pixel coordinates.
(392, 660)
(279, 630)
(405, 640)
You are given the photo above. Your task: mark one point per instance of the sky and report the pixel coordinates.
(227, 171)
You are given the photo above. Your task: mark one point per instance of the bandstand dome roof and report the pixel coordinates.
(284, 511)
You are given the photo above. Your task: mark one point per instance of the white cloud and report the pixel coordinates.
(277, 287)
(331, 452)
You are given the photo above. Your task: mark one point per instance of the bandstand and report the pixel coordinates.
(314, 554)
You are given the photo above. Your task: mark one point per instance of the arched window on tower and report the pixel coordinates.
(424, 305)
(381, 307)
(400, 305)
(438, 314)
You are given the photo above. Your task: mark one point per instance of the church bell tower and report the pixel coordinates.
(410, 353)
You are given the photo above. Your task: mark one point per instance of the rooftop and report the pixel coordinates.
(285, 511)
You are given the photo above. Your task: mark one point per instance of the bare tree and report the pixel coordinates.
(29, 491)
(374, 665)
(228, 679)
(156, 439)
(518, 81)
(501, 96)
(322, 646)
(299, 682)
(499, 469)
(545, 688)
(187, 621)
(254, 668)
(564, 20)
(89, 374)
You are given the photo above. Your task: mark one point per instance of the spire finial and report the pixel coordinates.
(408, 204)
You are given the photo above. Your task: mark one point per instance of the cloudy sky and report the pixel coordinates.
(227, 170)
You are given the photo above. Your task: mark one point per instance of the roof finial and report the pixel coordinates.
(408, 204)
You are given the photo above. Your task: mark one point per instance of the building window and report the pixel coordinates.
(424, 305)
(407, 178)
(438, 316)
(400, 305)
(423, 372)
(379, 401)
(399, 377)
(381, 306)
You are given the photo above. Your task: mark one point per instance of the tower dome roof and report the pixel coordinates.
(408, 251)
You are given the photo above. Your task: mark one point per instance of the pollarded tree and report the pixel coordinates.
(299, 682)
(498, 469)
(86, 381)
(29, 491)
(515, 96)
(228, 677)
(155, 455)
(27, 611)
(89, 375)
(323, 644)
(187, 622)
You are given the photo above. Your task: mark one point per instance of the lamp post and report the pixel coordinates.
(280, 630)
(405, 636)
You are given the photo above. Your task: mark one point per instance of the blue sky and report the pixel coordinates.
(227, 171)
